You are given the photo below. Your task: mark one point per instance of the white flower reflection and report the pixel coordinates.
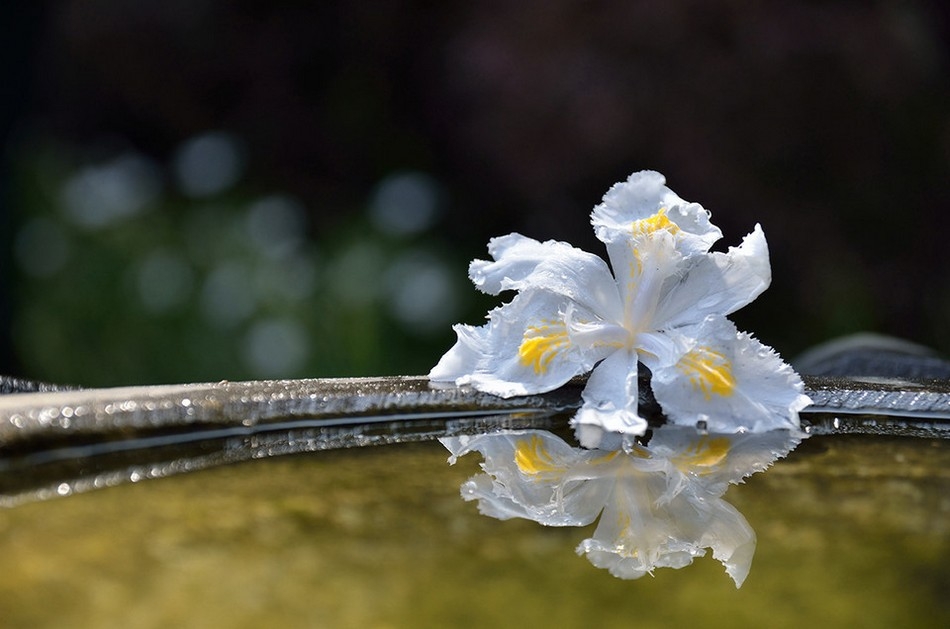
(664, 305)
(660, 505)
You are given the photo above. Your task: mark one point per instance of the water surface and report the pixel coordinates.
(852, 531)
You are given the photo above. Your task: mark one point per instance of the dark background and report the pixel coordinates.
(826, 122)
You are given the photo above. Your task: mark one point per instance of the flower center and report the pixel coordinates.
(646, 227)
(651, 257)
(708, 371)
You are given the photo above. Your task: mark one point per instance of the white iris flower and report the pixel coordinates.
(664, 305)
(659, 505)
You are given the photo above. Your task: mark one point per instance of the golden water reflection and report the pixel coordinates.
(657, 505)
(852, 531)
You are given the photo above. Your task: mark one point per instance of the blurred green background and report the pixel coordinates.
(202, 190)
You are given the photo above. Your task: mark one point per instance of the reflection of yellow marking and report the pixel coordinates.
(702, 456)
(640, 452)
(541, 343)
(624, 522)
(627, 534)
(646, 227)
(532, 458)
(606, 458)
(708, 371)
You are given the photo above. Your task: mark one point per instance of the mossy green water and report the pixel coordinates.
(852, 531)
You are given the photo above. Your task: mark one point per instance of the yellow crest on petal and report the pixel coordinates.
(642, 231)
(541, 343)
(708, 371)
(650, 225)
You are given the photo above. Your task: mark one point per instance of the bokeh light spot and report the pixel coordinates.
(292, 279)
(208, 164)
(355, 275)
(227, 297)
(276, 225)
(276, 348)
(421, 293)
(164, 281)
(98, 196)
(405, 203)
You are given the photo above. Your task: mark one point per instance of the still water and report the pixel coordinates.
(852, 531)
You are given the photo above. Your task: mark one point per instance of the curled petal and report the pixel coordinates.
(472, 349)
(728, 381)
(528, 346)
(610, 403)
(522, 263)
(731, 539)
(642, 196)
(717, 283)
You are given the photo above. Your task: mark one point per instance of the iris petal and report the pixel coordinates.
(526, 347)
(728, 381)
(641, 267)
(522, 263)
(610, 403)
(718, 283)
(643, 195)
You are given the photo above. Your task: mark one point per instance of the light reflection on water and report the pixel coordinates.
(852, 531)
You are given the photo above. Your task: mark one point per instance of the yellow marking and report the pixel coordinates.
(708, 371)
(531, 457)
(645, 227)
(636, 264)
(541, 343)
(606, 458)
(703, 456)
